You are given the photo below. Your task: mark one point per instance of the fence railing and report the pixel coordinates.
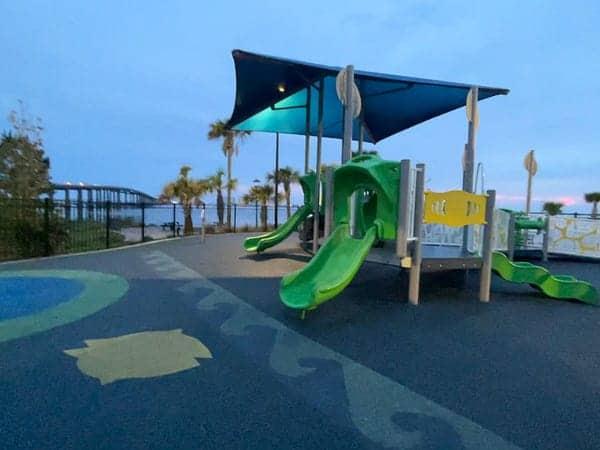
(31, 228)
(575, 215)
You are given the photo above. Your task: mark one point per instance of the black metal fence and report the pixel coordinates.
(32, 228)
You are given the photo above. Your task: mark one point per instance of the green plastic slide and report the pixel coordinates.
(330, 270)
(265, 241)
(555, 286)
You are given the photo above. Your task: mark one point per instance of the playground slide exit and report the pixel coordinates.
(330, 270)
(555, 286)
(265, 241)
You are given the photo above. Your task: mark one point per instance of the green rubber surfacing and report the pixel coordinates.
(554, 286)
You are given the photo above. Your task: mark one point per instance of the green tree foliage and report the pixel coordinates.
(24, 169)
(230, 148)
(28, 226)
(188, 192)
(553, 208)
(593, 198)
(261, 194)
(286, 177)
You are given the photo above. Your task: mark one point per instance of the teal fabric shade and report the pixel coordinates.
(272, 94)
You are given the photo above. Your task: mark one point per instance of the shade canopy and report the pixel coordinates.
(272, 95)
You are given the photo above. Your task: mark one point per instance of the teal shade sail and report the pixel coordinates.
(272, 95)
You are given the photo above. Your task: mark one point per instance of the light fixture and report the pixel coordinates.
(281, 87)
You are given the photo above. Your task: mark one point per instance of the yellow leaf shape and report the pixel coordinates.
(139, 355)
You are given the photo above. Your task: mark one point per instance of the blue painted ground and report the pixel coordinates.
(23, 296)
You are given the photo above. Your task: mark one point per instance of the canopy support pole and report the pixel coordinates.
(361, 138)
(347, 136)
(307, 132)
(276, 174)
(469, 159)
(318, 170)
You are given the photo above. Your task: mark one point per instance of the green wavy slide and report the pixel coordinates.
(555, 286)
(330, 270)
(265, 241)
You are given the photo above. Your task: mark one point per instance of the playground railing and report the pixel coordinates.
(574, 236)
(457, 209)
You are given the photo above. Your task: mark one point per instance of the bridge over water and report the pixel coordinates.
(94, 198)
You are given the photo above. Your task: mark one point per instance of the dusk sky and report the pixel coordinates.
(126, 90)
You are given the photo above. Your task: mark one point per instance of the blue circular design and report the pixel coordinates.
(21, 296)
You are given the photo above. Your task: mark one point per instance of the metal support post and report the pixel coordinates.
(79, 205)
(67, 205)
(511, 236)
(174, 220)
(347, 137)
(108, 224)
(143, 206)
(203, 221)
(329, 200)
(361, 138)
(90, 205)
(307, 132)
(316, 209)
(403, 209)
(47, 247)
(256, 213)
(546, 238)
(352, 212)
(469, 157)
(414, 279)
(276, 216)
(485, 276)
(235, 217)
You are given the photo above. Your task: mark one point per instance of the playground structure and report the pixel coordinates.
(520, 228)
(376, 200)
(370, 202)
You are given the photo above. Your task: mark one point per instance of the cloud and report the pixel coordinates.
(565, 200)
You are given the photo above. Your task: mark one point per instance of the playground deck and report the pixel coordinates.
(366, 370)
(436, 257)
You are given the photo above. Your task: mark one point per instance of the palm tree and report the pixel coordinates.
(216, 185)
(261, 194)
(286, 176)
(553, 208)
(593, 198)
(220, 130)
(188, 192)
